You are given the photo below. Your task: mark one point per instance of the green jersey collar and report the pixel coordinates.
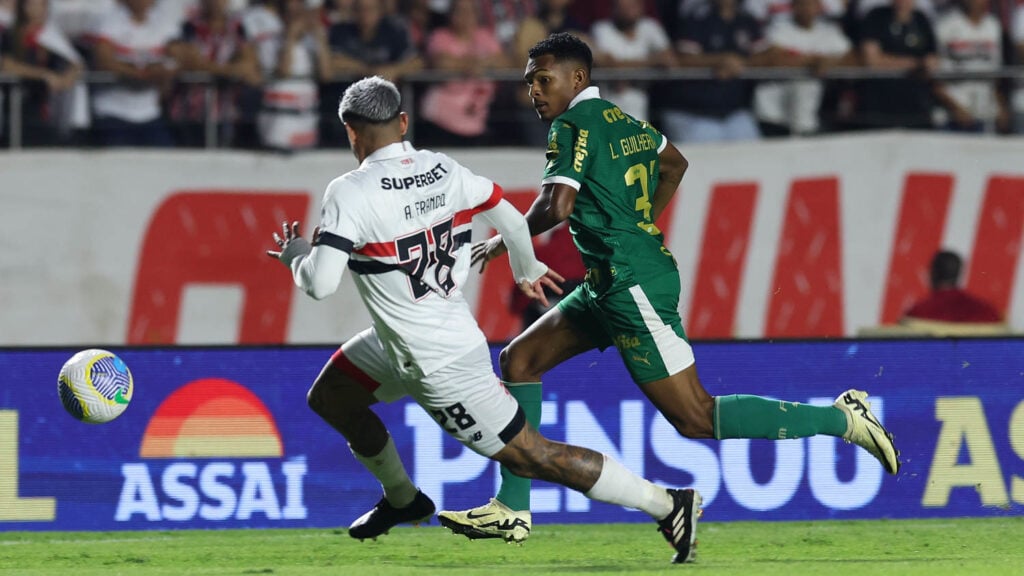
(588, 93)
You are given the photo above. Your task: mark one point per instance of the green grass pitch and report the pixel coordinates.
(835, 548)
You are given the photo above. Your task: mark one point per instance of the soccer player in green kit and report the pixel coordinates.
(612, 175)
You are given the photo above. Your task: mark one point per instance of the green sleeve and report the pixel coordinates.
(567, 154)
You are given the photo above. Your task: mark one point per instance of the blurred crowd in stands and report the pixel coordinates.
(138, 72)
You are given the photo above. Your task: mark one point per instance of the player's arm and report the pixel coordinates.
(552, 206)
(557, 196)
(530, 274)
(316, 268)
(672, 166)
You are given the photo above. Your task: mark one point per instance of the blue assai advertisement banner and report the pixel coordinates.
(222, 437)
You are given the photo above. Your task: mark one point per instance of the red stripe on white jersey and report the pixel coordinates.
(466, 216)
(378, 250)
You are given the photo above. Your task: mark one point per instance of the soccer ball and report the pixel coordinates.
(95, 386)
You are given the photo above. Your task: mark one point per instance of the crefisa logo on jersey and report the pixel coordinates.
(212, 452)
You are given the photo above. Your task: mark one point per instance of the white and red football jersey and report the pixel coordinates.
(966, 46)
(405, 218)
(138, 44)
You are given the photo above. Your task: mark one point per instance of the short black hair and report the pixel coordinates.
(946, 268)
(564, 46)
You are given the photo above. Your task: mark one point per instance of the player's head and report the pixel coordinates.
(371, 110)
(945, 269)
(558, 70)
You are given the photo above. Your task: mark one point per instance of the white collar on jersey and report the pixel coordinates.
(590, 92)
(390, 151)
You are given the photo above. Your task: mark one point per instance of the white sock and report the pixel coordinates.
(388, 469)
(617, 485)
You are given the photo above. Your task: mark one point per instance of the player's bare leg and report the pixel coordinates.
(548, 342)
(602, 478)
(599, 477)
(345, 405)
(684, 402)
(545, 344)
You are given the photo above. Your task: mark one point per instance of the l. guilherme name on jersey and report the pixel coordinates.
(420, 180)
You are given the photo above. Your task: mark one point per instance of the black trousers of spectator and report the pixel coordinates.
(117, 132)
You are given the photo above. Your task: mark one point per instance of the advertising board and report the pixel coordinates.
(222, 437)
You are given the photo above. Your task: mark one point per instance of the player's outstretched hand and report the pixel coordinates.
(290, 242)
(487, 250)
(535, 290)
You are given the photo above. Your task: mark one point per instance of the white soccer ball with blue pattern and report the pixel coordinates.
(95, 386)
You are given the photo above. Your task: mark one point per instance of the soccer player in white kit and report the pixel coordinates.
(401, 222)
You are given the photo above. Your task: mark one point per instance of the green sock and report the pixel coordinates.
(745, 416)
(515, 491)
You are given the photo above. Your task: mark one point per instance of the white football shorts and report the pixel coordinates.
(465, 397)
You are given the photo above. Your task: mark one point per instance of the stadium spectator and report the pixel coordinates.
(947, 301)
(337, 11)
(79, 20)
(766, 12)
(1017, 37)
(374, 44)
(137, 44)
(930, 8)
(447, 368)
(588, 13)
(631, 39)
(420, 19)
(728, 40)
(611, 178)
(809, 41)
(457, 111)
(291, 45)
(505, 16)
(553, 16)
(215, 43)
(971, 39)
(897, 38)
(48, 106)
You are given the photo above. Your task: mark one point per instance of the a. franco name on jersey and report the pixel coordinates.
(425, 205)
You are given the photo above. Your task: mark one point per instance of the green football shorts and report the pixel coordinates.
(642, 321)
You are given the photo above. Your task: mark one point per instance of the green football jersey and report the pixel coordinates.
(613, 159)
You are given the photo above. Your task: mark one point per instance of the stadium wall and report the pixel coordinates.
(794, 239)
(221, 437)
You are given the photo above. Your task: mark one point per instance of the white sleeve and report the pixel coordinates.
(318, 270)
(318, 273)
(516, 234)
